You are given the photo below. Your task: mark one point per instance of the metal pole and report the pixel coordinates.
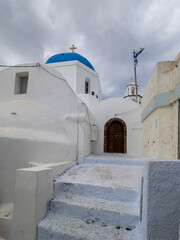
(135, 55)
(135, 82)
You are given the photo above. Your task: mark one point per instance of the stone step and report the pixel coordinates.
(117, 159)
(122, 214)
(60, 227)
(115, 183)
(106, 193)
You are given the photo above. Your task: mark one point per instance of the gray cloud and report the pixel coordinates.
(106, 32)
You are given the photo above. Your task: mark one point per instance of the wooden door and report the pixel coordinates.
(115, 137)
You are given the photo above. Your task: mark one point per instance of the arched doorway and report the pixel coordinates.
(115, 136)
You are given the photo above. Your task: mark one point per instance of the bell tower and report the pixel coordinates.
(130, 92)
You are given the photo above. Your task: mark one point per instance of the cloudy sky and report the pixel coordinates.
(105, 32)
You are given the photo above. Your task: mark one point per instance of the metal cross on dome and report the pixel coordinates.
(73, 48)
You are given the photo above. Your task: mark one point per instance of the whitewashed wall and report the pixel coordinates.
(76, 74)
(43, 125)
(129, 112)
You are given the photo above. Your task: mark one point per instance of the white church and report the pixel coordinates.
(60, 142)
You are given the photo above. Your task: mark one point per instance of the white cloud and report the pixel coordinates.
(105, 32)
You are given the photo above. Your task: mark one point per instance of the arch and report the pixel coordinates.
(115, 136)
(133, 91)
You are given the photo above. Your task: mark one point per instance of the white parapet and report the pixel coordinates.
(57, 168)
(161, 200)
(33, 191)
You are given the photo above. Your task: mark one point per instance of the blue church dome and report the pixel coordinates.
(64, 57)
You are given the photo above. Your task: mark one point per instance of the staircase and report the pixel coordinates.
(96, 200)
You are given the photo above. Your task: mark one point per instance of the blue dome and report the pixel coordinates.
(64, 57)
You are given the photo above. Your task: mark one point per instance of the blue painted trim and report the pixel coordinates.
(158, 101)
(176, 94)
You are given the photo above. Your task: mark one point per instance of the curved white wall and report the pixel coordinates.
(129, 112)
(43, 125)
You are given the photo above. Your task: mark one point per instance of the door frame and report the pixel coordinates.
(107, 124)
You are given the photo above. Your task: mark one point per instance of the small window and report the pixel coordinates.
(21, 83)
(86, 87)
(92, 93)
(97, 96)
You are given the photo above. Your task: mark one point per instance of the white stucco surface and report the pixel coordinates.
(33, 191)
(49, 123)
(129, 112)
(161, 200)
(57, 168)
(76, 74)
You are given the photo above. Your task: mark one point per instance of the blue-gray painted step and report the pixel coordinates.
(117, 159)
(60, 227)
(124, 214)
(101, 192)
